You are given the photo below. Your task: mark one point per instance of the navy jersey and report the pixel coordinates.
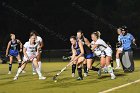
(87, 50)
(14, 45)
(14, 48)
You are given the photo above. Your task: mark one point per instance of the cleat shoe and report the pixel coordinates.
(73, 75)
(9, 72)
(113, 77)
(42, 78)
(79, 78)
(15, 78)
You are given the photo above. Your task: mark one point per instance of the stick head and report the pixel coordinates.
(54, 77)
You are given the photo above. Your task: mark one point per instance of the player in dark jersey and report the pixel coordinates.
(13, 51)
(81, 51)
(77, 56)
(81, 37)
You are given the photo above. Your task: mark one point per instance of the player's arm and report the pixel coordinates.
(133, 39)
(24, 52)
(41, 44)
(94, 46)
(8, 46)
(87, 42)
(21, 45)
(73, 54)
(81, 49)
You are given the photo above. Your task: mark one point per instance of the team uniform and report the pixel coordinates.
(105, 51)
(14, 51)
(87, 51)
(103, 48)
(38, 41)
(32, 52)
(127, 54)
(126, 41)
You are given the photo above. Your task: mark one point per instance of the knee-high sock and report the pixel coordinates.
(38, 72)
(118, 62)
(80, 72)
(110, 70)
(19, 71)
(19, 64)
(33, 67)
(10, 67)
(85, 68)
(39, 65)
(73, 68)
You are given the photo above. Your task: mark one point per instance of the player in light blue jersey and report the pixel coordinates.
(126, 39)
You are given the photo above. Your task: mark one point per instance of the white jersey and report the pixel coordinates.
(102, 48)
(101, 44)
(31, 50)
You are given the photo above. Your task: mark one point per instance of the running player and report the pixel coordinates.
(40, 41)
(81, 37)
(13, 51)
(106, 52)
(31, 51)
(119, 49)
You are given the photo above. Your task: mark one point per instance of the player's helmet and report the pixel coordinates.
(124, 28)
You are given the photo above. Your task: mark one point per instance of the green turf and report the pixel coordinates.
(27, 83)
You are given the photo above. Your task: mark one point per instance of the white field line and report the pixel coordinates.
(121, 86)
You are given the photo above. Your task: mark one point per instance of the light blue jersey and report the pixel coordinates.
(126, 41)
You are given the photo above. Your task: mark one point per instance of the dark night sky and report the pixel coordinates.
(61, 17)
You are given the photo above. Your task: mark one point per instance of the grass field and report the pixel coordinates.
(27, 83)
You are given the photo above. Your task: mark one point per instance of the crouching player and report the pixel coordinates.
(81, 52)
(77, 56)
(30, 50)
(106, 52)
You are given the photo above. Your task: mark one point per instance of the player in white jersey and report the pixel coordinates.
(106, 52)
(119, 49)
(40, 42)
(31, 51)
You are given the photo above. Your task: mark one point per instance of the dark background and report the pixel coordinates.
(59, 16)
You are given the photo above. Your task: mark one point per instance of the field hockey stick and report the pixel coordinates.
(63, 69)
(97, 64)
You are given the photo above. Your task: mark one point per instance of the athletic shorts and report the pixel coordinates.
(97, 53)
(13, 53)
(120, 48)
(31, 58)
(89, 56)
(107, 52)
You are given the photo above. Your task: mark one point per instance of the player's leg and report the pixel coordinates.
(35, 62)
(20, 69)
(19, 60)
(85, 68)
(79, 67)
(90, 67)
(74, 68)
(110, 69)
(118, 58)
(10, 64)
(39, 61)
